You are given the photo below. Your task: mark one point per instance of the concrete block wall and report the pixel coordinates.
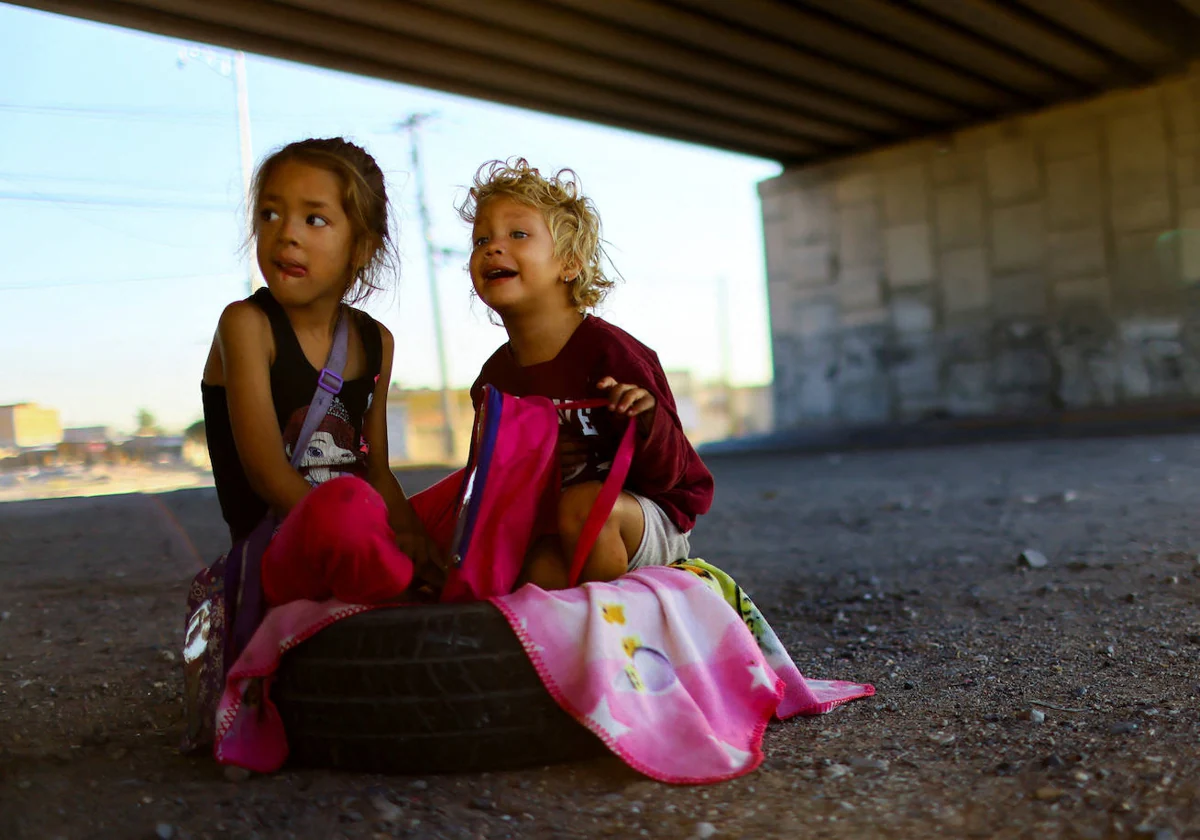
(1046, 262)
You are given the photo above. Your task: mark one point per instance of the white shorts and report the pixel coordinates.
(662, 543)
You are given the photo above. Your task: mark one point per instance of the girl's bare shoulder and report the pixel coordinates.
(244, 333)
(365, 320)
(242, 316)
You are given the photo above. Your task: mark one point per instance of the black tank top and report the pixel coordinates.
(336, 447)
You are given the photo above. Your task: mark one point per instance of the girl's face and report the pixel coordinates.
(513, 267)
(304, 241)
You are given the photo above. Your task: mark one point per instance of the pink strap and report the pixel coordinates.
(609, 492)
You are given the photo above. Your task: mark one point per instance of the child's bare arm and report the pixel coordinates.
(411, 535)
(243, 337)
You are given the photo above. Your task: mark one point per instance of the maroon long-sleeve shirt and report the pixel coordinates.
(665, 469)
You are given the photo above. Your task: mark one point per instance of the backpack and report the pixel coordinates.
(225, 601)
(483, 516)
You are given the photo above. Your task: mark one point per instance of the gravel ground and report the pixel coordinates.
(1052, 696)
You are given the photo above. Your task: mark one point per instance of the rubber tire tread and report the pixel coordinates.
(418, 689)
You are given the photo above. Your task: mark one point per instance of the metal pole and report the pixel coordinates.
(723, 332)
(226, 64)
(412, 126)
(246, 151)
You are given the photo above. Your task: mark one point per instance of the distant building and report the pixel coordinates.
(397, 428)
(86, 445)
(87, 434)
(416, 429)
(195, 446)
(714, 411)
(29, 426)
(158, 449)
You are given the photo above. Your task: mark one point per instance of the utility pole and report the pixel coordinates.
(246, 153)
(234, 65)
(412, 126)
(726, 349)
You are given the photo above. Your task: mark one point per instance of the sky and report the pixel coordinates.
(122, 218)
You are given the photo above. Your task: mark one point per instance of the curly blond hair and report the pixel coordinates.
(571, 216)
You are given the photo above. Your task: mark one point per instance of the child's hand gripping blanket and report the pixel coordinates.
(659, 666)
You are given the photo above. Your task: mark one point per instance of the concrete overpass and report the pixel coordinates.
(989, 206)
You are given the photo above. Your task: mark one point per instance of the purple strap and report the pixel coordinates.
(244, 597)
(329, 383)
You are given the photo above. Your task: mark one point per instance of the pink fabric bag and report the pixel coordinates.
(484, 515)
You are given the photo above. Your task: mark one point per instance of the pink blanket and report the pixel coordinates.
(249, 731)
(660, 667)
(657, 664)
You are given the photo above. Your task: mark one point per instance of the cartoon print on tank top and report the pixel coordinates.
(332, 450)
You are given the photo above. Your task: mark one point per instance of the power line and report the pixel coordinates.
(92, 201)
(89, 179)
(68, 283)
(124, 114)
(156, 114)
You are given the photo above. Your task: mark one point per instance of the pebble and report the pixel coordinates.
(419, 784)
(164, 831)
(1048, 793)
(1150, 832)
(641, 790)
(943, 738)
(236, 774)
(1124, 727)
(5, 616)
(877, 765)
(388, 811)
(704, 830)
(166, 655)
(1033, 559)
(836, 771)
(1034, 715)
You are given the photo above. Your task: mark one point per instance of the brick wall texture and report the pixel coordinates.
(1046, 262)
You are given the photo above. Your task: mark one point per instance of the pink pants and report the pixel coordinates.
(336, 544)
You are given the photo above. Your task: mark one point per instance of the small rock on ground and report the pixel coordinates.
(1033, 559)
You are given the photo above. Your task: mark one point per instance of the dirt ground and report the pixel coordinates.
(1061, 701)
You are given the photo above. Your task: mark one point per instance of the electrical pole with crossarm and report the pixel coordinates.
(411, 126)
